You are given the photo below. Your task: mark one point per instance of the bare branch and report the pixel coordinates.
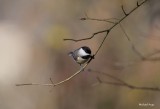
(102, 20)
(132, 87)
(132, 45)
(51, 80)
(102, 43)
(121, 82)
(107, 30)
(109, 82)
(149, 57)
(38, 84)
(124, 11)
(125, 32)
(61, 82)
(108, 75)
(103, 31)
(137, 3)
(76, 40)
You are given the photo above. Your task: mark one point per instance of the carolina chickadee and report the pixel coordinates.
(81, 55)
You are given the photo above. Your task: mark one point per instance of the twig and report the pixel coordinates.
(137, 3)
(132, 45)
(150, 57)
(143, 58)
(102, 20)
(61, 82)
(51, 80)
(76, 40)
(102, 43)
(124, 11)
(108, 82)
(108, 75)
(132, 86)
(121, 82)
(125, 33)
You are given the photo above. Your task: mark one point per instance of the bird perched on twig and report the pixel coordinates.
(81, 55)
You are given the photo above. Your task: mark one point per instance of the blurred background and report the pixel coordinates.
(32, 50)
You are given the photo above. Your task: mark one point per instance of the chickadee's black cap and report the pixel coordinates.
(86, 49)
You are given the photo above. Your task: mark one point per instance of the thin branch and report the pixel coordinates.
(121, 82)
(125, 33)
(102, 20)
(107, 31)
(132, 45)
(61, 82)
(93, 35)
(149, 57)
(108, 75)
(101, 43)
(132, 86)
(37, 84)
(77, 40)
(137, 3)
(109, 82)
(124, 11)
(51, 80)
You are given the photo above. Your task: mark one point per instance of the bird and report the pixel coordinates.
(81, 55)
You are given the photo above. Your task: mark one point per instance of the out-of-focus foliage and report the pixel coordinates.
(32, 50)
(55, 36)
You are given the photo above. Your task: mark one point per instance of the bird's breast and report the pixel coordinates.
(81, 60)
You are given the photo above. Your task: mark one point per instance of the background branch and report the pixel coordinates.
(149, 57)
(120, 82)
(102, 20)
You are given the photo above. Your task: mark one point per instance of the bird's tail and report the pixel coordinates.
(70, 53)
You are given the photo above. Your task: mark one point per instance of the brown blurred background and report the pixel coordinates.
(32, 50)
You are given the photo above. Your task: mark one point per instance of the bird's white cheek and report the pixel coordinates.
(81, 52)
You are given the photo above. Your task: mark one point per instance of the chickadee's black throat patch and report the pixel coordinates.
(86, 57)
